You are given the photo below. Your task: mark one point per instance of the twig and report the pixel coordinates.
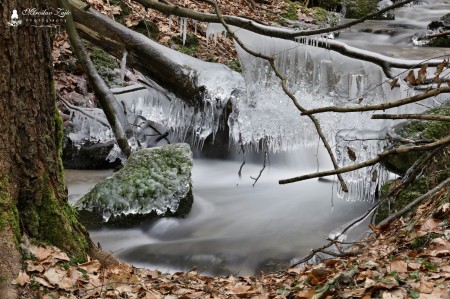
(82, 111)
(386, 222)
(412, 116)
(383, 106)
(436, 35)
(262, 169)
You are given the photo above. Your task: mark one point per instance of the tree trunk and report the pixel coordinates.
(33, 198)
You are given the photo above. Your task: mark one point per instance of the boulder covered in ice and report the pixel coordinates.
(155, 182)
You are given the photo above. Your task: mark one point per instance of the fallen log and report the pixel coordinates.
(184, 76)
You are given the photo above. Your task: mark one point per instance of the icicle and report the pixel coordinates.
(184, 30)
(181, 21)
(195, 25)
(123, 64)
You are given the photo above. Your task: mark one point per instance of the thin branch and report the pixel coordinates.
(271, 60)
(412, 116)
(436, 35)
(414, 203)
(400, 150)
(262, 169)
(82, 111)
(254, 26)
(113, 111)
(383, 106)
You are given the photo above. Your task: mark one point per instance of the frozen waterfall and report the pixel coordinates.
(263, 114)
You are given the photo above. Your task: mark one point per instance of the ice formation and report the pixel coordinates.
(263, 113)
(154, 179)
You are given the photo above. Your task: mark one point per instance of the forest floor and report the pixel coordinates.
(407, 259)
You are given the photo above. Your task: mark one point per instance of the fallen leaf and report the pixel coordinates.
(426, 287)
(22, 278)
(351, 153)
(91, 267)
(398, 266)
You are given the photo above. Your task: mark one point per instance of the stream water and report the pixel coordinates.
(237, 228)
(234, 227)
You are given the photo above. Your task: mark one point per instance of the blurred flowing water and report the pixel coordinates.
(234, 227)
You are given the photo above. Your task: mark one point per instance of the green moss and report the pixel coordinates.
(9, 215)
(104, 64)
(291, 12)
(418, 188)
(399, 164)
(235, 65)
(421, 242)
(190, 47)
(360, 8)
(56, 225)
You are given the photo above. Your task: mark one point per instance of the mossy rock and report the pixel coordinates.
(399, 164)
(155, 182)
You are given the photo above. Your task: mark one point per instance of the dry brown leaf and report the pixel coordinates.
(426, 287)
(429, 224)
(422, 74)
(91, 267)
(34, 267)
(351, 153)
(414, 266)
(411, 78)
(54, 275)
(22, 278)
(394, 83)
(398, 266)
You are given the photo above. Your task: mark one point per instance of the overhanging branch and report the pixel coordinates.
(400, 150)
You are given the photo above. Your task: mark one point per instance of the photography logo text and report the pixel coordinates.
(38, 17)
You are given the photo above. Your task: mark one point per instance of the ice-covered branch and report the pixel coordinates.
(370, 162)
(382, 106)
(385, 62)
(412, 116)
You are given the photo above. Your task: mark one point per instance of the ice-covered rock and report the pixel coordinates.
(154, 182)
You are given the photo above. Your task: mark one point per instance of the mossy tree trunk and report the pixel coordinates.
(33, 199)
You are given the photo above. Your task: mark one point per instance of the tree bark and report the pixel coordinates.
(33, 198)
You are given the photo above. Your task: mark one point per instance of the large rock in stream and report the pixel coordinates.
(155, 182)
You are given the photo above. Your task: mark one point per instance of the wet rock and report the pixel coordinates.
(155, 182)
(88, 155)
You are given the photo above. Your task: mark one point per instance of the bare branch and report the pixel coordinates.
(113, 110)
(412, 204)
(412, 116)
(254, 26)
(383, 106)
(437, 35)
(378, 158)
(82, 111)
(262, 169)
